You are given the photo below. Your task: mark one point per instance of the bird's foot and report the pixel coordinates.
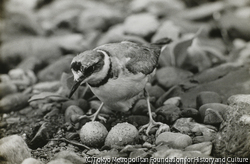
(151, 124)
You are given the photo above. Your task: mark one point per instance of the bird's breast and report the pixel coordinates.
(120, 93)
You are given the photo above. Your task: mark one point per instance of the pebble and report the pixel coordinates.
(31, 161)
(172, 92)
(138, 120)
(82, 103)
(95, 104)
(89, 20)
(70, 156)
(143, 25)
(173, 101)
(93, 134)
(221, 110)
(15, 51)
(13, 102)
(138, 154)
(239, 99)
(122, 134)
(141, 107)
(13, 149)
(54, 71)
(155, 91)
(171, 76)
(189, 112)
(159, 7)
(212, 117)
(7, 88)
(189, 126)
(48, 86)
(204, 148)
(167, 30)
(168, 113)
(231, 83)
(176, 140)
(72, 110)
(206, 97)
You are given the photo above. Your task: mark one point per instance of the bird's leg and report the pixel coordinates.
(151, 123)
(97, 112)
(95, 115)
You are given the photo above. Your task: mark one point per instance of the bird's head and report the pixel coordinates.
(89, 67)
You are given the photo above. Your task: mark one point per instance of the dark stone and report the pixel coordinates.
(168, 114)
(206, 97)
(234, 82)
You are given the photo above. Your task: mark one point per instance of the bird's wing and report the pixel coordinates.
(142, 59)
(135, 58)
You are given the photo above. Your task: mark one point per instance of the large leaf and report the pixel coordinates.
(47, 95)
(175, 53)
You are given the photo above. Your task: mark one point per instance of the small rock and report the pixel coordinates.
(172, 92)
(167, 30)
(95, 104)
(176, 140)
(7, 88)
(159, 7)
(82, 103)
(138, 120)
(70, 156)
(142, 25)
(93, 134)
(138, 153)
(173, 101)
(48, 86)
(227, 83)
(141, 107)
(31, 161)
(201, 139)
(61, 161)
(212, 117)
(72, 110)
(168, 113)
(189, 112)
(122, 134)
(13, 102)
(170, 76)
(155, 91)
(13, 149)
(220, 108)
(54, 71)
(239, 99)
(101, 20)
(189, 126)
(206, 97)
(204, 147)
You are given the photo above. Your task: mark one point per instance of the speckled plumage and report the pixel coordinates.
(117, 73)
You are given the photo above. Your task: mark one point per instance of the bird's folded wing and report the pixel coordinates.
(135, 58)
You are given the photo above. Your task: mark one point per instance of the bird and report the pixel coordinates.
(117, 74)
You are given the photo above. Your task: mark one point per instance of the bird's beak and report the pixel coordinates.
(76, 85)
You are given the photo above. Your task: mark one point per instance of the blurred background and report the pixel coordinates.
(35, 33)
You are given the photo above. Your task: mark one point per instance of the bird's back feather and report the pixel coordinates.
(135, 58)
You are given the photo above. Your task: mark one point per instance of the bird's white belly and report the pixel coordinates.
(120, 94)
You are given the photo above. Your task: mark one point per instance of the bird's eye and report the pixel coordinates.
(90, 70)
(76, 66)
